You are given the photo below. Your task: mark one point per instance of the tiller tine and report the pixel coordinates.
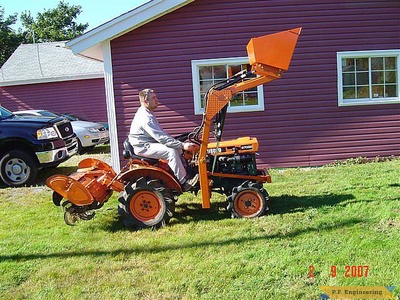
(57, 198)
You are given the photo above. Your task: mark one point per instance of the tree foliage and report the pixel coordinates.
(9, 39)
(58, 24)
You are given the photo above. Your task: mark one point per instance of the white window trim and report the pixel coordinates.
(366, 101)
(218, 61)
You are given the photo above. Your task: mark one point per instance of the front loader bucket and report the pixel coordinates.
(272, 50)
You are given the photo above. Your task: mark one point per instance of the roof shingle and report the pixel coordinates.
(47, 62)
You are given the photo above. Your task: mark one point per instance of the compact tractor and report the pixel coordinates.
(148, 189)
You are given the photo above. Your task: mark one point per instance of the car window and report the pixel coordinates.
(4, 113)
(48, 113)
(73, 117)
(25, 114)
(70, 117)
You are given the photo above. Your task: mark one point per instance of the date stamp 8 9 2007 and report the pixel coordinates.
(347, 271)
(352, 292)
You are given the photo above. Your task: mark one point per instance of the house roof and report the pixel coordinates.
(90, 43)
(47, 62)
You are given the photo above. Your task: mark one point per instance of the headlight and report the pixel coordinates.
(92, 129)
(46, 133)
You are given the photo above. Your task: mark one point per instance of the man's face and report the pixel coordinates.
(152, 101)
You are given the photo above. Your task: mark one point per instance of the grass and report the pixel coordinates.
(341, 215)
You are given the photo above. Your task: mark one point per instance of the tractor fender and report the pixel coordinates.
(166, 179)
(96, 164)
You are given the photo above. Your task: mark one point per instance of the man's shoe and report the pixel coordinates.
(190, 183)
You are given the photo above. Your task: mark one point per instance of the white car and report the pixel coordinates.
(89, 134)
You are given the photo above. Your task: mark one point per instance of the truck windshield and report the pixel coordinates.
(4, 113)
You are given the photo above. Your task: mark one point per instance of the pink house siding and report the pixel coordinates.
(302, 124)
(85, 98)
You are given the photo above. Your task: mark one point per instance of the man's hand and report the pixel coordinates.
(191, 147)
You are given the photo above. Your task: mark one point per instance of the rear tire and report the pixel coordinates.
(18, 168)
(249, 200)
(146, 204)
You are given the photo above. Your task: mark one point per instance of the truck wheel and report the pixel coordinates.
(146, 204)
(18, 168)
(249, 200)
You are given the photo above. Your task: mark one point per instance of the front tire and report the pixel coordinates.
(81, 149)
(249, 200)
(18, 168)
(146, 204)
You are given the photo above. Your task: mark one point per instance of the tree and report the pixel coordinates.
(52, 25)
(9, 39)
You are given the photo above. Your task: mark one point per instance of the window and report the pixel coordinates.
(207, 72)
(368, 77)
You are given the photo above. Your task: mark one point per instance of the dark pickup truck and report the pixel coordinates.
(28, 144)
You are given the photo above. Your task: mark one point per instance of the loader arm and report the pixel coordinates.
(269, 56)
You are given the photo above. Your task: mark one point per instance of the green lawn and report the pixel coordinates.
(344, 215)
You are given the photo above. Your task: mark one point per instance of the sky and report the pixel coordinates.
(94, 12)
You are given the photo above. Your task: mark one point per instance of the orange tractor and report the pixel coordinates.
(148, 189)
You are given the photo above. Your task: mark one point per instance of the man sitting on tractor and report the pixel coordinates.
(150, 140)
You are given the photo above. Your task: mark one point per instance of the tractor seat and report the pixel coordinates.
(130, 153)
